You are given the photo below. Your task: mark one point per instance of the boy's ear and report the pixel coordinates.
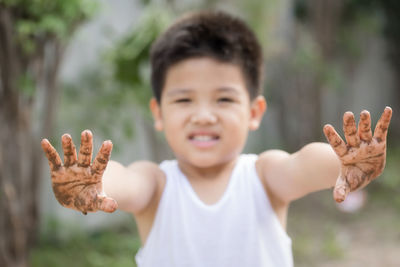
(156, 111)
(257, 110)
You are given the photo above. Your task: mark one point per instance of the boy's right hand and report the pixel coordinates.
(77, 184)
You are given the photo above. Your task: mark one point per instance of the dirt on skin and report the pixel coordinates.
(77, 183)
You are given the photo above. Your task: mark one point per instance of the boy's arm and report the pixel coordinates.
(81, 185)
(319, 166)
(133, 187)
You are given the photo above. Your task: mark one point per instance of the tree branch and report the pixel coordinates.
(9, 63)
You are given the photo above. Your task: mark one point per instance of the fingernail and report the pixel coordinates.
(364, 114)
(108, 142)
(66, 136)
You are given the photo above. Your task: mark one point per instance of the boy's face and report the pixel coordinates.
(205, 111)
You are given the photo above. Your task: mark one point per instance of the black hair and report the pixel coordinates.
(211, 34)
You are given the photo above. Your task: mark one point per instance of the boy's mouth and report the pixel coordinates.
(204, 140)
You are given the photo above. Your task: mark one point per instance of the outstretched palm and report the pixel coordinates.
(363, 157)
(77, 184)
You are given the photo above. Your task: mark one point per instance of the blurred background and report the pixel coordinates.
(66, 66)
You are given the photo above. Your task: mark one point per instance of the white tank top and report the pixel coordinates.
(241, 229)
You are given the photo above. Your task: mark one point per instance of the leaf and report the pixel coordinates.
(131, 55)
(53, 24)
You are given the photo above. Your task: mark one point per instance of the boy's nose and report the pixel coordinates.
(203, 116)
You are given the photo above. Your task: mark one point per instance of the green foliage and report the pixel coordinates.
(38, 19)
(37, 23)
(130, 56)
(106, 97)
(107, 247)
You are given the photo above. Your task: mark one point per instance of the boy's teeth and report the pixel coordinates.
(203, 138)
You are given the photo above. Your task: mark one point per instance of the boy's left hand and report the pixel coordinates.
(363, 157)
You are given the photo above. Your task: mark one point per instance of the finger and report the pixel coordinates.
(382, 125)
(69, 150)
(85, 151)
(364, 126)
(106, 204)
(336, 142)
(350, 130)
(51, 154)
(341, 190)
(101, 160)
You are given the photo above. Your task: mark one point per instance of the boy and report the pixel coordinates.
(213, 206)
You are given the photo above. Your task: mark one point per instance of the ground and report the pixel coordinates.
(323, 236)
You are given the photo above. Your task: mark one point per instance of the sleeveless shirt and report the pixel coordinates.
(240, 230)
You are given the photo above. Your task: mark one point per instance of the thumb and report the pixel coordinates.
(341, 190)
(106, 204)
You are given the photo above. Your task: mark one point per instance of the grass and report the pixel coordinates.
(324, 236)
(108, 247)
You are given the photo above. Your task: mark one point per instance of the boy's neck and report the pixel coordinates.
(209, 184)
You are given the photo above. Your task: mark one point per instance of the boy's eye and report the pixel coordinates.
(182, 100)
(225, 99)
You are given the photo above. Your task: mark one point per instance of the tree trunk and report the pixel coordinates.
(20, 153)
(299, 86)
(391, 9)
(18, 185)
(325, 21)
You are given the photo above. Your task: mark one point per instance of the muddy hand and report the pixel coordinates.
(363, 157)
(77, 184)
